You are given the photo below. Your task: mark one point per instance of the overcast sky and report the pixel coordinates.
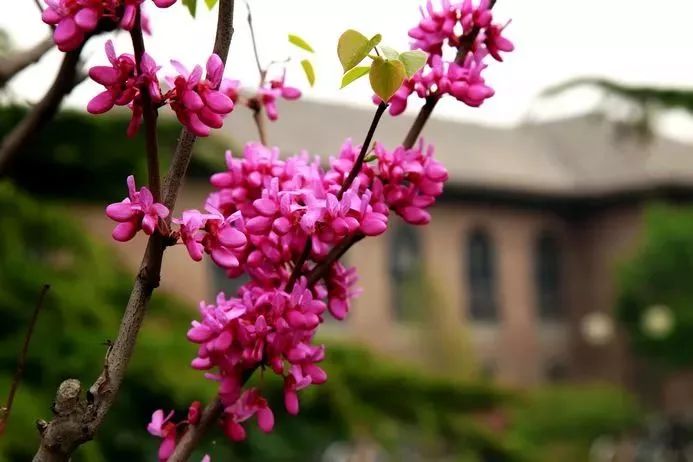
(635, 41)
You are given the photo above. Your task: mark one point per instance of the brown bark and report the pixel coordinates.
(76, 419)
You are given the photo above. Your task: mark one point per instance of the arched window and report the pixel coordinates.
(481, 274)
(547, 276)
(405, 271)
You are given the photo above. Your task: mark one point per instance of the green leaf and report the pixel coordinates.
(211, 3)
(299, 42)
(389, 52)
(191, 5)
(310, 72)
(375, 40)
(413, 61)
(353, 74)
(353, 47)
(386, 77)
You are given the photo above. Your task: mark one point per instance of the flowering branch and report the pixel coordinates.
(16, 62)
(77, 420)
(21, 363)
(66, 79)
(466, 44)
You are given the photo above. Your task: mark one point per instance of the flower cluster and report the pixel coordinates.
(467, 34)
(74, 20)
(257, 222)
(136, 212)
(198, 102)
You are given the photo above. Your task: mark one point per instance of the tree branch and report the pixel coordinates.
(254, 103)
(16, 62)
(149, 113)
(466, 43)
(21, 362)
(66, 79)
(77, 420)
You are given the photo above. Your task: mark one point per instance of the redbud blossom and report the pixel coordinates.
(269, 93)
(135, 212)
(449, 31)
(74, 20)
(197, 102)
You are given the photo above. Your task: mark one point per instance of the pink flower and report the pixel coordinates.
(135, 212)
(441, 33)
(268, 95)
(197, 102)
(123, 82)
(74, 20)
(250, 404)
(164, 3)
(163, 428)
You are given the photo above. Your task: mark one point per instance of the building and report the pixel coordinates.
(521, 249)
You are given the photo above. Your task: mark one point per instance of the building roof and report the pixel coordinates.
(576, 157)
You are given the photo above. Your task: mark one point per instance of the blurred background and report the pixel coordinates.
(545, 314)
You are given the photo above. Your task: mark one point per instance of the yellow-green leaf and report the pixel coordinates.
(353, 74)
(413, 61)
(211, 3)
(375, 40)
(389, 52)
(310, 72)
(299, 42)
(352, 48)
(191, 5)
(386, 77)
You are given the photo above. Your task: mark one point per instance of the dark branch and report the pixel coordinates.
(16, 62)
(66, 79)
(149, 113)
(79, 420)
(356, 169)
(21, 362)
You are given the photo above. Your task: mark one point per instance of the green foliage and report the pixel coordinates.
(82, 310)
(659, 274)
(386, 77)
(88, 158)
(665, 98)
(353, 74)
(210, 3)
(413, 61)
(353, 47)
(365, 395)
(387, 72)
(567, 419)
(191, 5)
(299, 42)
(309, 71)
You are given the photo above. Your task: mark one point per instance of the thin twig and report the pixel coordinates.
(149, 112)
(21, 362)
(22, 134)
(413, 134)
(356, 169)
(38, 5)
(79, 420)
(260, 69)
(194, 434)
(254, 103)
